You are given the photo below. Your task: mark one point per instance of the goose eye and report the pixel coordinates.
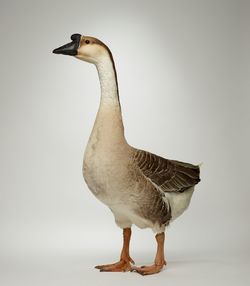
(87, 41)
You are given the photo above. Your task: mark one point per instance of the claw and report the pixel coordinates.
(132, 261)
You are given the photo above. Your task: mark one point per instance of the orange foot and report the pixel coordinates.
(148, 270)
(120, 266)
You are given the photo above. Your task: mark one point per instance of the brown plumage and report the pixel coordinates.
(167, 175)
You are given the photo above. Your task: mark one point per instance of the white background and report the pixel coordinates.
(183, 70)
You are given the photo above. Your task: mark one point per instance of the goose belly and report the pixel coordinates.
(125, 216)
(179, 202)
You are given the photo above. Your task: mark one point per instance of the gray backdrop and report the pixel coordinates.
(183, 70)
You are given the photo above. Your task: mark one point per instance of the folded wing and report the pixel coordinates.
(168, 175)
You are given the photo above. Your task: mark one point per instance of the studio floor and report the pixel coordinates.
(76, 268)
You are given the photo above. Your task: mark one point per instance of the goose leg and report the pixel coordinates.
(159, 258)
(124, 263)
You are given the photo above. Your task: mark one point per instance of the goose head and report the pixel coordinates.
(85, 48)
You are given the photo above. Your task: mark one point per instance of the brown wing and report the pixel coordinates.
(168, 175)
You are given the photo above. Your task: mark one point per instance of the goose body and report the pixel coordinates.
(139, 187)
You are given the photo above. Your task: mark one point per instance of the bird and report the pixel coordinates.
(139, 187)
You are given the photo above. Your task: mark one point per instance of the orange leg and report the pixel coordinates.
(159, 258)
(124, 263)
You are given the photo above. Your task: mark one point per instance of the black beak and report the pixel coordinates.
(70, 48)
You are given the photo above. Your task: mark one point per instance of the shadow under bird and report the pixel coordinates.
(139, 187)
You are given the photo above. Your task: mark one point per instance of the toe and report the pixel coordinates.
(121, 266)
(147, 270)
(103, 266)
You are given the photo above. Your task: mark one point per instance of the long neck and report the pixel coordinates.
(108, 81)
(108, 122)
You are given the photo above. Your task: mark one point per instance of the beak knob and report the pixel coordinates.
(75, 37)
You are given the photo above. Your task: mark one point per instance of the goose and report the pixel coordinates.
(139, 187)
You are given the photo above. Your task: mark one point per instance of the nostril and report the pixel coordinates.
(75, 37)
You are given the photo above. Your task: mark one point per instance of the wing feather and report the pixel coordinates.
(168, 175)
